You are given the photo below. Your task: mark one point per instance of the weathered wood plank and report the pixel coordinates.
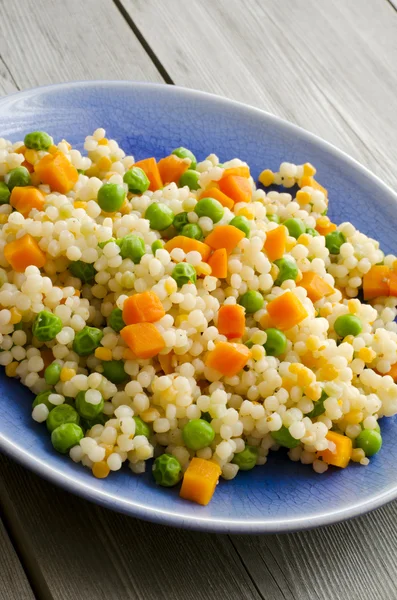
(327, 66)
(45, 42)
(84, 552)
(13, 582)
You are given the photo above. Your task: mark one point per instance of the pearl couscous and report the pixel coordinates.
(175, 311)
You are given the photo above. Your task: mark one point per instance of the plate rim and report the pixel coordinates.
(157, 515)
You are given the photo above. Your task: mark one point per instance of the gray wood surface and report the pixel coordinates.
(328, 66)
(13, 582)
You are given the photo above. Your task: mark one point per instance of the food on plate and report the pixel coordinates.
(176, 314)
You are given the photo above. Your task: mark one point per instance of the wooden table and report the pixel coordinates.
(327, 65)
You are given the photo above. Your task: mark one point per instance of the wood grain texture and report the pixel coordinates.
(327, 66)
(13, 582)
(74, 549)
(45, 42)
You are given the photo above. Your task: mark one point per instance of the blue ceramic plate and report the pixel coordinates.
(148, 119)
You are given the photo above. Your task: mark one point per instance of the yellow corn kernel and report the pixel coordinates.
(306, 180)
(11, 369)
(16, 316)
(266, 178)
(305, 377)
(353, 306)
(150, 415)
(67, 374)
(104, 163)
(246, 212)
(295, 368)
(309, 170)
(34, 179)
(354, 417)
(312, 342)
(52, 149)
(92, 171)
(3, 219)
(367, 354)
(179, 320)
(323, 221)
(287, 384)
(100, 469)
(325, 311)
(303, 198)
(80, 204)
(31, 156)
(128, 354)
(108, 449)
(170, 286)
(20, 150)
(103, 142)
(357, 454)
(309, 361)
(103, 353)
(304, 239)
(291, 243)
(313, 392)
(328, 373)
(203, 269)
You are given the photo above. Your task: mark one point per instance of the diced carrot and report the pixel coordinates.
(393, 283)
(376, 282)
(392, 372)
(200, 480)
(286, 311)
(228, 358)
(57, 171)
(23, 199)
(218, 263)
(143, 308)
(236, 187)
(341, 456)
(23, 252)
(150, 167)
(171, 168)
(143, 339)
(216, 194)
(28, 166)
(20, 150)
(231, 321)
(324, 225)
(275, 243)
(225, 236)
(315, 286)
(243, 171)
(188, 245)
(165, 361)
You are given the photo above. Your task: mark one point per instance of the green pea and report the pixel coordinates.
(252, 301)
(287, 269)
(191, 179)
(192, 230)
(87, 340)
(185, 153)
(312, 231)
(84, 271)
(184, 273)
(132, 246)
(114, 371)
(52, 373)
(86, 409)
(46, 326)
(66, 436)
(38, 140)
(180, 220)
(42, 398)
(197, 434)
(208, 207)
(116, 321)
(273, 218)
(137, 180)
(157, 245)
(159, 215)
(319, 408)
(111, 197)
(18, 177)
(370, 441)
(142, 428)
(284, 438)
(62, 414)
(243, 224)
(347, 325)
(167, 470)
(295, 227)
(98, 420)
(4, 193)
(103, 244)
(334, 241)
(276, 342)
(246, 460)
